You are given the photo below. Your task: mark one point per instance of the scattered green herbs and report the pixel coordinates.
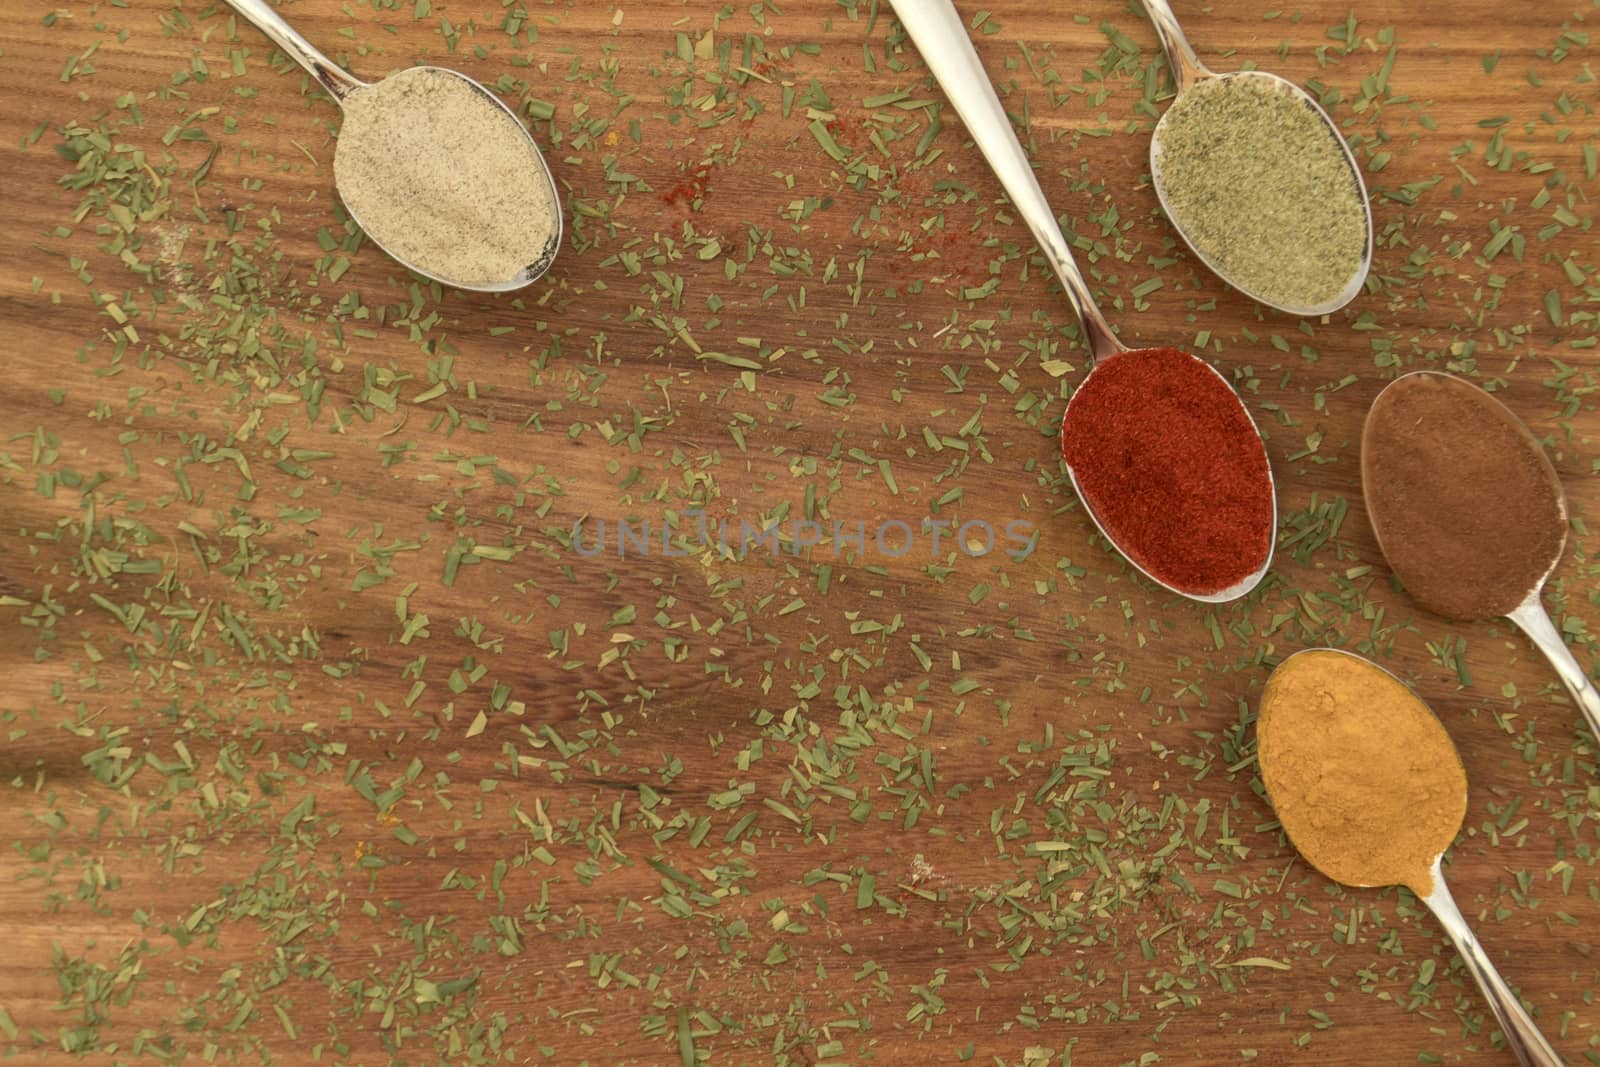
(324, 746)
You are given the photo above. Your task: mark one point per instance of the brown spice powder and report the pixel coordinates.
(1365, 780)
(1467, 509)
(444, 179)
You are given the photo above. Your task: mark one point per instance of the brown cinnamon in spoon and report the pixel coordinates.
(1467, 509)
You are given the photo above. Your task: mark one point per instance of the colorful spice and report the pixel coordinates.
(1260, 185)
(412, 779)
(1362, 775)
(445, 179)
(1465, 505)
(1167, 459)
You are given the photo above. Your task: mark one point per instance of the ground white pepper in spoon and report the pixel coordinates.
(438, 173)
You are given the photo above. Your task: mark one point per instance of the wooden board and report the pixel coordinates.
(324, 742)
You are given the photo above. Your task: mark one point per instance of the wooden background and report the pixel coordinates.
(322, 743)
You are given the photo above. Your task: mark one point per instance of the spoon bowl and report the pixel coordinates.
(1537, 552)
(1287, 755)
(1190, 72)
(1231, 591)
(340, 84)
(941, 37)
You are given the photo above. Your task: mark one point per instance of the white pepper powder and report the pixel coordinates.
(444, 179)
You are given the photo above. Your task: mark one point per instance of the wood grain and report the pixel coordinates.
(835, 805)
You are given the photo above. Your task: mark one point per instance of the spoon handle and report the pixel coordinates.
(1186, 66)
(329, 74)
(936, 28)
(1535, 622)
(1522, 1033)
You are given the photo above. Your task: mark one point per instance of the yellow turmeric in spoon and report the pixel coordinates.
(1364, 779)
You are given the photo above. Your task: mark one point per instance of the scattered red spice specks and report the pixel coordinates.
(950, 251)
(954, 255)
(692, 187)
(1168, 460)
(849, 128)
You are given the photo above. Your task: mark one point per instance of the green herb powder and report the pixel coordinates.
(1262, 190)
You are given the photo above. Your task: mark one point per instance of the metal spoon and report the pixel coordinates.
(1522, 1033)
(936, 28)
(1187, 72)
(340, 84)
(1523, 1037)
(1530, 613)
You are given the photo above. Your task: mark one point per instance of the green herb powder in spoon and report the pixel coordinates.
(1262, 189)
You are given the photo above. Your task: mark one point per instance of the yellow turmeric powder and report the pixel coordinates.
(1363, 776)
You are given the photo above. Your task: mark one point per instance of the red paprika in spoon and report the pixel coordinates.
(1172, 469)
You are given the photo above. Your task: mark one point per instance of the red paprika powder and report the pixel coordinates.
(1167, 459)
